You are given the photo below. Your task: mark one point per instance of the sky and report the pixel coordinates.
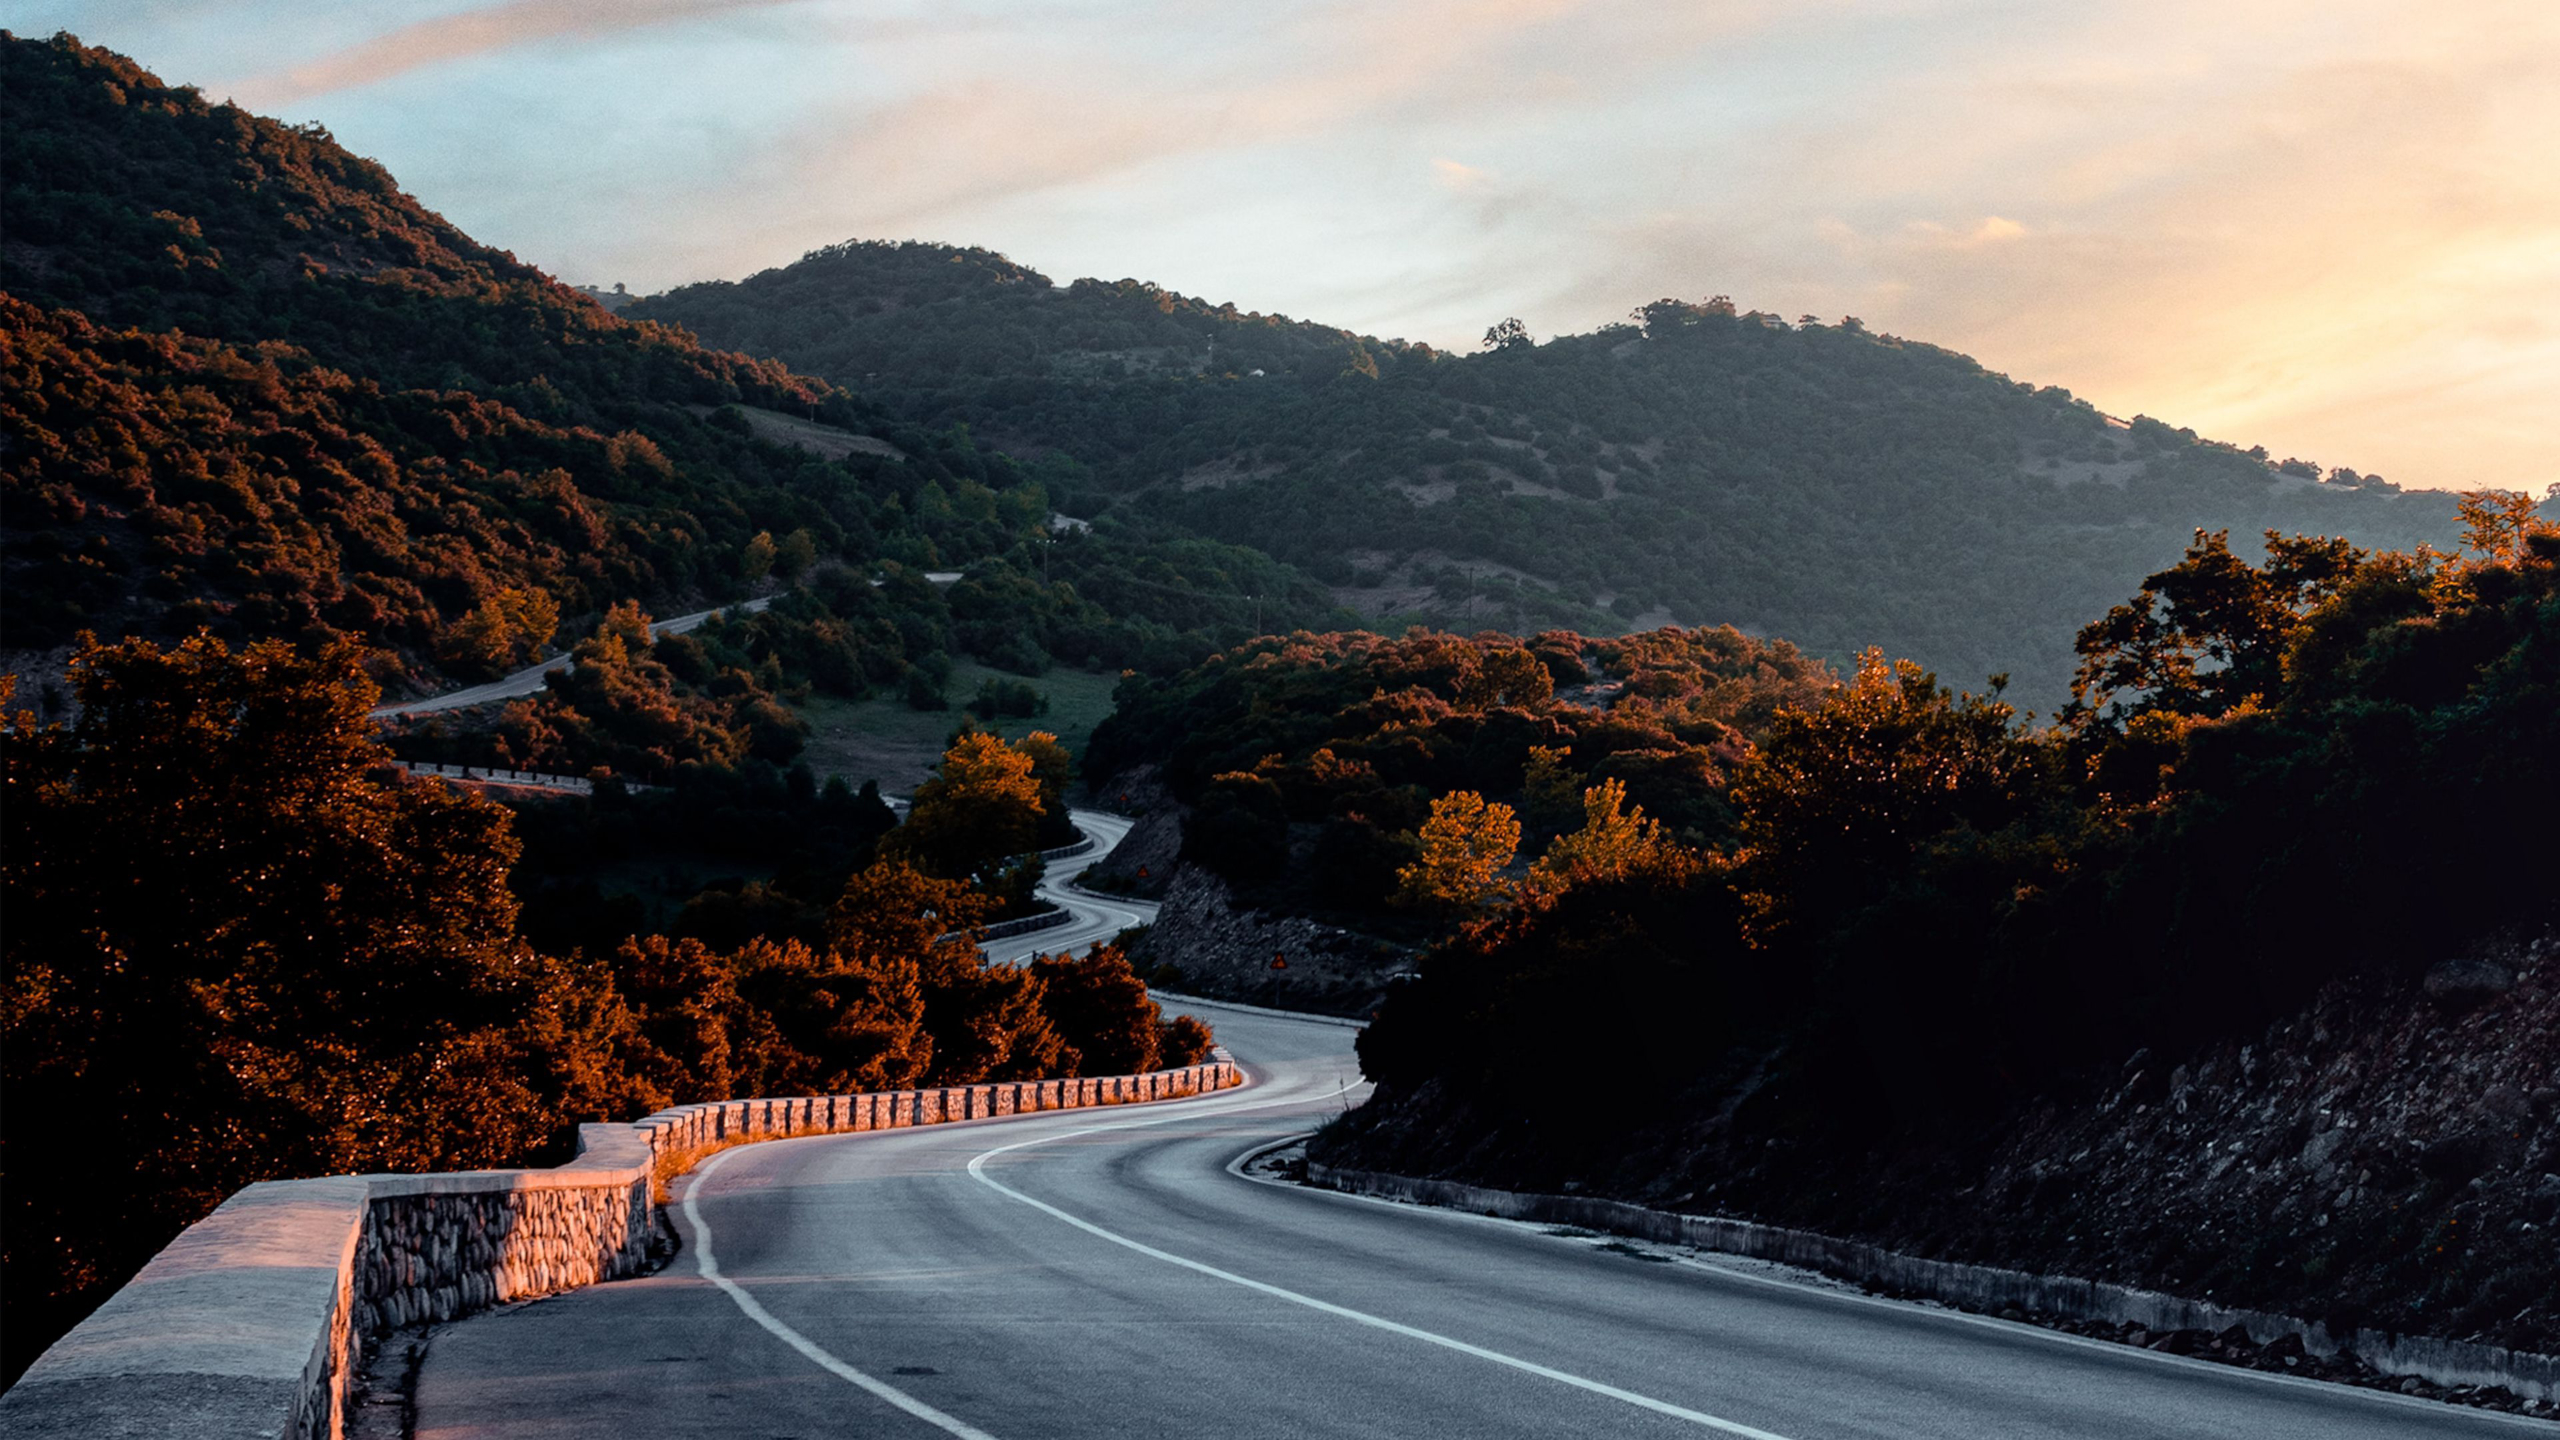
(2329, 228)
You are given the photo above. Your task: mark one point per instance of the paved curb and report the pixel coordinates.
(1971, 1287)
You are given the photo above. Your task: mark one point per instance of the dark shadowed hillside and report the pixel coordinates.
(1699, 465)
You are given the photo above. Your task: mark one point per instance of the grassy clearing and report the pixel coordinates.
(882, 739)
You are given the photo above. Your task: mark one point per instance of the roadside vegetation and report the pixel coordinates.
(1929, 917)
(242, 947)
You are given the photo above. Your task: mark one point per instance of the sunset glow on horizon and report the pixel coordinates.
(2332, 229)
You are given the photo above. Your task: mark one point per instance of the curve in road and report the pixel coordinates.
(1052, 1275)
(1096, 918)
(530, 679)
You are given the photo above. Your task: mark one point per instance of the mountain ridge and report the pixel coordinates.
(1699, 464)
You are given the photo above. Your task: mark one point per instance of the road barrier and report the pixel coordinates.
(251, 1322)
(1001, 929)
(499, 775)
(1970, 1287)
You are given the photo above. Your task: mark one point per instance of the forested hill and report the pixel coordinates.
(1817, 481)
(248, 384)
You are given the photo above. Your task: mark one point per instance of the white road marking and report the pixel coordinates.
(793, 1338)
(1906, 1309)
(977, 1169)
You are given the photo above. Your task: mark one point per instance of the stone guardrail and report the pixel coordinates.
(1970, 1287)
(251, 1321)
(498, 775)
(1083, 843)
(1001, 929)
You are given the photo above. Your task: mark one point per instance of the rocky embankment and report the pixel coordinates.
(2389, 1158)
(1229, 952)
(1205, 942)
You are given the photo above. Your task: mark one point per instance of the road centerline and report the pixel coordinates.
(977, 1170)
(815, 1353)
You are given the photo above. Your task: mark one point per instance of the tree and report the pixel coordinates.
(1614, 843)
(2496, 523)
(511, 625)
(241, 948)
(1507, 675)
(1838, 796)
(848, 1022)
(1054, 766)
(795, 554)
(1550, 785)
(2207, 633)
(981, 1021)
(1507, 334)
(1465, 844)
(980, 811)
(892, 909)
(1101, 1009)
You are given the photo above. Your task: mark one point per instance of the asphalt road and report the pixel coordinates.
(1106, 1274)
(1097, 917)
(529, 680)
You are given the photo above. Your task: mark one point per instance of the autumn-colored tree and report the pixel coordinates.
(1102, 1010)
(2497, 523)
(1615, 842)
(1465, 844)
(1841, 794)
(893, 909)
(1054, 766)
(984, 1022)
(1507, 675)
(619, 706)
(510, 626)
(240, 948)
(1550, 786)
(851, 1022)
(981, 809)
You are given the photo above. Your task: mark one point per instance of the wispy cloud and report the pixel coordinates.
(2330, 226)
(460, 36)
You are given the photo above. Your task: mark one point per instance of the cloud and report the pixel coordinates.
(1459, 177)
(2330, 226)
(476, 32)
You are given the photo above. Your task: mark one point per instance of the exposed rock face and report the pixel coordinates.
(1228, 953)
(1142, 863)
(2386, 1158)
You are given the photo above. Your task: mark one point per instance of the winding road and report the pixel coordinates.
(1115, 1273)
(1097, 917)
(530, 679)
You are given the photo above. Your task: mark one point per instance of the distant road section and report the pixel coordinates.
(1097, 917)
(526, 682)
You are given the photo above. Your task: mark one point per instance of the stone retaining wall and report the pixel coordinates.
(250, 1322)
(1971, 1287)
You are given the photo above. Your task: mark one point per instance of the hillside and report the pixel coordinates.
(2204, 990)
(251, 385)
(1699, 465)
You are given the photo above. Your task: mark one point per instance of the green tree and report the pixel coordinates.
(2207, 633)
